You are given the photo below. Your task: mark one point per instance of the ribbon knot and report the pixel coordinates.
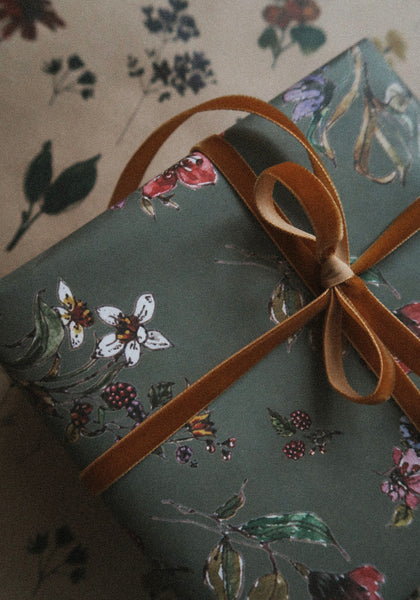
(321, 259)
(334, 271)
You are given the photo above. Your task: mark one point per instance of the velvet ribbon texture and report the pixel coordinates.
(322, 261)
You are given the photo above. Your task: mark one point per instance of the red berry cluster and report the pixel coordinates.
(80, 413)
(119, 394)
(301, 420)
(294, 449)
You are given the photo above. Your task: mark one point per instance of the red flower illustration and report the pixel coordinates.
(292, 10)
(360, 584)
(23, 15)
(201, 426)
(194, 171)
(404, 479)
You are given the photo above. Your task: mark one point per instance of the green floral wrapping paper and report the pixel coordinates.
(121, 316)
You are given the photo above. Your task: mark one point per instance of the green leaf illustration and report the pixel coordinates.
(160, 393)
(39, 544)
(74, 62)
(101, 416)
(285, 301)
(63, 536)
(224, 571)
(231, 506)
(309, 38)
(269, 587)
(77, 556)
(297, 526)
(47, 337)
(71, 186)
(403, 516)
(268, 39)
(103, 381)
(282, 425)
(39, 173)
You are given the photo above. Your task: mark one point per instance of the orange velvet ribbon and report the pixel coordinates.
(320, 259)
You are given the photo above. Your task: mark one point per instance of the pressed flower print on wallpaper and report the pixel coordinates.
(387, 124)
(51, 197)
(58, 556)
(24, 16)
(224, 568)
(290, 22)
(194, 172)
(166, 73)
(394, 45)
(70, 76)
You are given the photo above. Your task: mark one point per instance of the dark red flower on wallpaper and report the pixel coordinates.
(292, 10)
(360, 584)
(24, 15)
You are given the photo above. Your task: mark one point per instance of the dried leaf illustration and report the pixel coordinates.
(381, 121)
(345, 103)
(269, 587)
(224, 571)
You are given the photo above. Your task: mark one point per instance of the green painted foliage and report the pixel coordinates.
(224, 571)
(46, 340)
(297, 526)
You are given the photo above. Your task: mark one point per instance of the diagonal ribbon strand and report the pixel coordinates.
(320, 259)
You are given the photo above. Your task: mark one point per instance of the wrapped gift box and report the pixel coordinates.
(109, 325)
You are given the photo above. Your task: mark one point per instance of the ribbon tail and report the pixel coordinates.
(402, 228)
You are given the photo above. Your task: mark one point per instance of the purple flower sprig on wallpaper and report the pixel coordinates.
(81, 83)
(64, 557)
(53, 196)
(162, 75)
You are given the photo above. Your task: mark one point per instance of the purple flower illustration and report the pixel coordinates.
(311, 94)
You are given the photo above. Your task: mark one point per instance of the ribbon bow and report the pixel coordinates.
(321, 260)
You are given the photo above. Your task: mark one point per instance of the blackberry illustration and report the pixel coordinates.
(294, 449)
(136, 411)
(119, 394)
(80, 413)
(183, 454)
(301, 420)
